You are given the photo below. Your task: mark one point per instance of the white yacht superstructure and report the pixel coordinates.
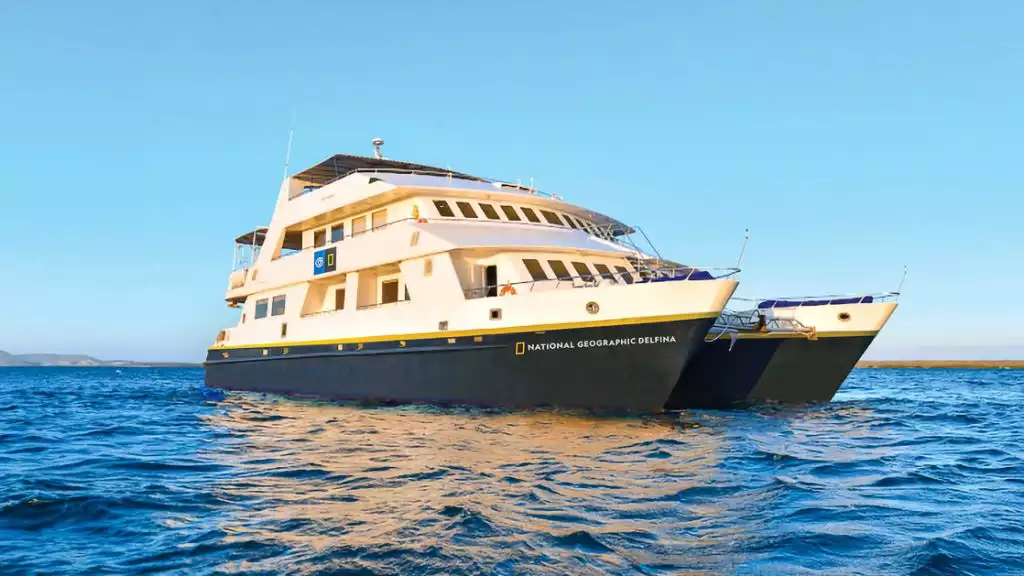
(397, 282)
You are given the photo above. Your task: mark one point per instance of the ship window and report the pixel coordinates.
(569, 221)
(467, 209)
(443, 208)
(561, 272)
(406, 290)
(284, 333)
(552, 218)
(583, 270)
(530, 215)
(510, 213)
(339, 299)
(428, 267)
(320, 238)
(535, 269)
(605, 273)
(261, 308)
(277, 306)
(338, 232)
(379, 218)
(489, 211)
(389, 291)
(624, 274)
(358, 225)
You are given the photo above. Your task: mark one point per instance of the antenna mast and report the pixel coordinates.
(746, 237)
(288, 154)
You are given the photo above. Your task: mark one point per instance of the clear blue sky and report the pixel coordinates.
(139, 138)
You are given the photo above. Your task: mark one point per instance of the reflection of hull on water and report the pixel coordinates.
(771, 367)
(629, 367)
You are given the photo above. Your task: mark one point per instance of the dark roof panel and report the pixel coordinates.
(340, 165)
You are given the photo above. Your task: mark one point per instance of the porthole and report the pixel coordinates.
(844, 316)
(593, 308)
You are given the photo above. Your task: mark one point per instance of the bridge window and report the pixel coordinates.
(605, 273)
(467, 209)
(561, 272)
(338, 232)
(489, 211)
(583, 271)
(358, 225)
(510, 213)
(339, 299)
(320, 238)
(552, 218)
(261, 308)
(443, 209)
(531, 215)
(535, 269)
(277, 306)
(569, 221)
(379, 218)
(624, 274)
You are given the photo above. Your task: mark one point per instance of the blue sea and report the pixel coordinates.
(136, 471)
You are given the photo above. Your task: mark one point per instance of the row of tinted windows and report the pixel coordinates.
(511, 214)
(276, 306)
(377, 219)
(583, 271)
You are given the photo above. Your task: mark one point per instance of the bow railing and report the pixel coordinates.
(825, 300)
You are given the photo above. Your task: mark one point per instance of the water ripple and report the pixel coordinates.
(139, 471)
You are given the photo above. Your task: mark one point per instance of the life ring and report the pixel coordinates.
(508, 290)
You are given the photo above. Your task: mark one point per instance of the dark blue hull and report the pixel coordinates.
(623, 368)
(790, 370)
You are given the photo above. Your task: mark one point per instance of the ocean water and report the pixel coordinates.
(137, 471)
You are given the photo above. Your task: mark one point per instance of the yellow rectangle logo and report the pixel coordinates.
(520, 348)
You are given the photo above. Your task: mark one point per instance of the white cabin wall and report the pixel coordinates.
(352, 290)
(367, 290)
(314, 300)
(441, 286)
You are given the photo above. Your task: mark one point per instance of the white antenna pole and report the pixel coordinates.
(288, 154)
(746, 237)
(899, 289)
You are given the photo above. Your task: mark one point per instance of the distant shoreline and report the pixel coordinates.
(940, 364)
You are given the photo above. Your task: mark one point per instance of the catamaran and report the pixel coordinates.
(782, 350)
(387, 281)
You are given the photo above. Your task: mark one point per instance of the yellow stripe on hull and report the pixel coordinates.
(482, 331)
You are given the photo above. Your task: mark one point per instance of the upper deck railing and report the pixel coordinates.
(348, 234)
(600, 279)
(450, 176)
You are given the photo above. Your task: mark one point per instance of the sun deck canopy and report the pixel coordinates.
(340, 165)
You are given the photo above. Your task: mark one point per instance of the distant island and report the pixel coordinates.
(940, 364)
(77, 360)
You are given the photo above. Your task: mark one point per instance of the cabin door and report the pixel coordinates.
(491, 280)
